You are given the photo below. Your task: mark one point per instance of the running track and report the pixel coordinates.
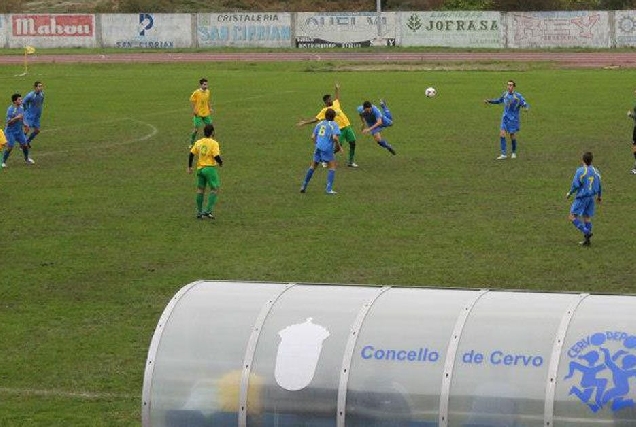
(578, 60)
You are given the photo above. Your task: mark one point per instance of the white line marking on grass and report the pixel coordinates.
(66, 394)
(153, 131)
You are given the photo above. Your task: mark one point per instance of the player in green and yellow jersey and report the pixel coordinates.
(208, 155)
(346, 131)
(201, 108)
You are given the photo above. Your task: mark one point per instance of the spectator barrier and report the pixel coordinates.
(458, 29)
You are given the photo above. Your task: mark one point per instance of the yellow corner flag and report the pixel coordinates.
(29, 50)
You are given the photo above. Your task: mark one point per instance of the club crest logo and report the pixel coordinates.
(601, 370)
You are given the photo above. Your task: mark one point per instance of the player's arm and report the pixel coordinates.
(576, 184)
(303, 122)
(336, 144)
(378, 121)
(190, 161)
(337, 91)
(218, 159)
(12, 119)
(194, 108)
(495, 100)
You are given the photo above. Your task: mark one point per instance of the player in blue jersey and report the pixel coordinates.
(510, 123)
(14, 130)
(586, 186)
(33, 103)
(325, 137)
(375, 120)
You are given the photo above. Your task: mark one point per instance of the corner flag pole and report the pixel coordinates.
(28, 50)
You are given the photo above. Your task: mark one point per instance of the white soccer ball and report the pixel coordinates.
(430, 92)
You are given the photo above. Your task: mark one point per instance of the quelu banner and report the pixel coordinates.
(345, 30)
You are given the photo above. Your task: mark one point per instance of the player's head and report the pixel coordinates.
(203, 82)
(511, 85)
(16, 97)
(587, 158)
(330, 114)
(208, 130)
(366, 105)
(327, 100)
(37, 85)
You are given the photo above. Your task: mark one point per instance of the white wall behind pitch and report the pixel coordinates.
(271, 29)
(345, 29)
(147, 30)
(558, 29)
(451, 28)
(51, 30)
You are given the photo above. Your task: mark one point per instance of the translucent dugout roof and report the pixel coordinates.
(251, 354)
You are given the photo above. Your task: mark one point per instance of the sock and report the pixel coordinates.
(211, 202)
(514, 145)
(502, 143)
(31, 137)
(588, 228)
(635, 160)
(5, 156)
(25, 150)
(579, 224)
(352, 151)
(331, 174)
(383, 143)
(199, 202)
(308, 175)
(193, 138)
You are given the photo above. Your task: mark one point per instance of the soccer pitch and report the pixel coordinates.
(101, 232)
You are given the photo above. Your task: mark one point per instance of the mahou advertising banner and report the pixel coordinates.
(52, 30)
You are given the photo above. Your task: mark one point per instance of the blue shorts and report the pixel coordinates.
(32, 122)
(17, 136)
(510, 126)
(324, 155)
(583, 206)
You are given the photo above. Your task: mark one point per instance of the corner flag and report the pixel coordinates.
(28, 50)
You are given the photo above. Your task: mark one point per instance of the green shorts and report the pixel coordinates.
(208, 175)
(347, 135)
(201, 120)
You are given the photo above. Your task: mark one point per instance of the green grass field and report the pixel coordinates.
(100, 233)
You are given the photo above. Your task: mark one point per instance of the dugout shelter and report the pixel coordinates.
(254, 354)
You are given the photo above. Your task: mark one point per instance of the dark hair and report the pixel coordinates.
(587, 158)
(37, 83)
(15, 97)
(208, 130)
(325, 97)
(366, 104)
(330, 114)
(513, 83)
(203, 80)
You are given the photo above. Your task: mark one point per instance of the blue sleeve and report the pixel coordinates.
(497, 100)
(26, 101)
(524, 103)
(360, 109)
(576, 182)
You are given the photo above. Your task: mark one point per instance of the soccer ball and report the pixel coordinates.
(430, 92)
